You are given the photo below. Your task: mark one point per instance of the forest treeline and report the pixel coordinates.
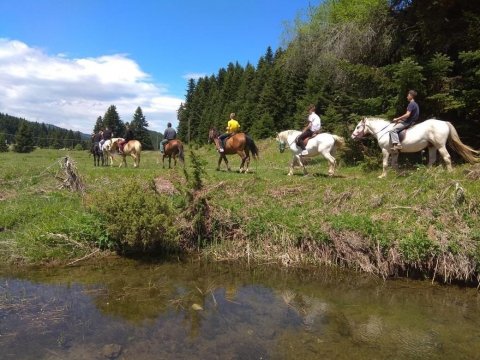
(39, 134)
(25, 135)
(351, 58)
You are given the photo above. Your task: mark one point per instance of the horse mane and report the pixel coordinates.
(286, 133)
(375, 119)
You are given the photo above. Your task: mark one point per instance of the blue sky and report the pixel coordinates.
(64, 62)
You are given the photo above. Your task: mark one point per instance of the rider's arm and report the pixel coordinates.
(403, 117)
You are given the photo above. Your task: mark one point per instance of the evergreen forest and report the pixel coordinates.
(351, 58)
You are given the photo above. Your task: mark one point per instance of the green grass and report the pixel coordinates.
(410, 220)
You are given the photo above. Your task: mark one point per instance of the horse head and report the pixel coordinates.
(212, 135)
(361, 129)
(282, 143)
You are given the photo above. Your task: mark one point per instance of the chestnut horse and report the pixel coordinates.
(173, 148)
(132, 148)
(240, 144)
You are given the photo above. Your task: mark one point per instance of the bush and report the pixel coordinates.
(139, 219)
(78, 147)
(417, 247)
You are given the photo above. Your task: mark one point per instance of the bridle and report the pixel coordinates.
(361, 134)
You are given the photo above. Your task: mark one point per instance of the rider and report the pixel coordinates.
(405, 121)
(313, 127)
(96, 137)
(233, 127)
(126, 138)
(107, 135)
(169, 134)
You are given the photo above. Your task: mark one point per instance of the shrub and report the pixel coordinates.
(139, 219)
(417, 247)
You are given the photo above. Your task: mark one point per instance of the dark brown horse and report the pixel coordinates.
(240, 144)
(173, 149)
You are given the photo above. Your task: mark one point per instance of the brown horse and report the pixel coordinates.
(173, 149)
(132, 148)
(240, 144)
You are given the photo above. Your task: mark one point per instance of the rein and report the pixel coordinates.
(364, 124)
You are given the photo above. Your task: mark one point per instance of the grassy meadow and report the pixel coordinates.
(420, 222)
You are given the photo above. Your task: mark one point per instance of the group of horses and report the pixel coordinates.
(105, 154)
(432, 134)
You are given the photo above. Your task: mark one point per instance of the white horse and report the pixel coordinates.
(108, 152)
(324, 144)
(432, 134)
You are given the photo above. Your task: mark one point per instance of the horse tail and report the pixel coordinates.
(339, 141)
(468, 154)
(181, 154)
(251, 146)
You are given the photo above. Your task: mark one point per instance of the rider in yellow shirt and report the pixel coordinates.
(233, 127)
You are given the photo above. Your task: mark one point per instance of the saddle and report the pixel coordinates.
(402, 134)
(305, 141)
(224, 141)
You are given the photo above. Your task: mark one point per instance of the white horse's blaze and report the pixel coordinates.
(432, 134)
(324, 144)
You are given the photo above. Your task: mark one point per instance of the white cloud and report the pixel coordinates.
(72, 93)
(194, 76)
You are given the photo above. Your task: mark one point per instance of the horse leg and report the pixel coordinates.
(174, 160)
(299, 159)
(292, 165)
(226, 161)
(331, 163)
(244, 157)
(163, 161)
(386, 154)
(446, 157)
(123, 161)
(170, 162)
(247, 163)
(432, 155)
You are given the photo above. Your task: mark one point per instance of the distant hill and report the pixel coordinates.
(44, 135)
(51, 136)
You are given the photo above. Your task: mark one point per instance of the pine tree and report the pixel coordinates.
(185, 112)
(111, 119)
(3, 143)
(24, 139)
(139, 127)
(98, 125)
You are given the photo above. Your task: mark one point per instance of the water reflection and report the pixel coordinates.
(135, 310)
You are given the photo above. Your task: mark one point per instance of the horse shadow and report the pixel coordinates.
(320, 175)
(250, 171)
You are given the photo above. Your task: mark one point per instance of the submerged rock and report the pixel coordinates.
(111, 351)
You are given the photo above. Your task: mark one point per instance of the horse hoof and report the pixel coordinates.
(382, 176)
(217, 169)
